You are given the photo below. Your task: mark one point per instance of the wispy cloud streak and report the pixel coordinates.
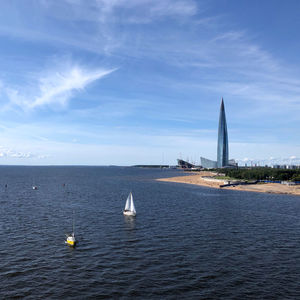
(57, 87)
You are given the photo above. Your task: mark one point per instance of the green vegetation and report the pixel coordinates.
(224, 177)
(151, 166)
(261, 173)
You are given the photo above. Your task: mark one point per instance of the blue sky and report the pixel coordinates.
(131, 82)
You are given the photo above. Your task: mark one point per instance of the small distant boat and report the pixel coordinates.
(34, 186)
(71, 241)
(129, 206)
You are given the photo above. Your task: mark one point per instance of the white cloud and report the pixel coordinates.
(57, 87)
(128, 11)
(11, 153)
(103, 16)
(293, 160)
(150, 11)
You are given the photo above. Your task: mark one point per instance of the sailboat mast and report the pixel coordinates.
(73, 223)
(130, 202)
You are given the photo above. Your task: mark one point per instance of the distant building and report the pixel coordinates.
(184, 164)
(207, 163)
(288, 167)
(222, 158)
(232, 163)
(275, 166)
(223, 149)
(292, 167)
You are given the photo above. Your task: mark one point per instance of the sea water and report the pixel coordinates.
(186, 242)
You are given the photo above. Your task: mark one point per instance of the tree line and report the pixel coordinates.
(262, 173)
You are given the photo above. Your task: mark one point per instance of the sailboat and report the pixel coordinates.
(129, 206)
(34, 187)
(71, 241)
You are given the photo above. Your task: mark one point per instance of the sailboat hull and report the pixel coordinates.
(71, 241)
(71, 244)
(129, 213)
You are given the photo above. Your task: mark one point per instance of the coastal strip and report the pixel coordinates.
(205, 178)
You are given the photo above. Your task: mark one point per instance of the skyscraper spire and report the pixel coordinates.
(222, 150)
(222, 158)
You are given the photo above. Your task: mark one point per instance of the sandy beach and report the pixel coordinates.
(200, 178)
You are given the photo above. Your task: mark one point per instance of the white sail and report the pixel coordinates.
(132, 208)
(127, 205)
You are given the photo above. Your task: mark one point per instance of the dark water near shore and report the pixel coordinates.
(187, 242)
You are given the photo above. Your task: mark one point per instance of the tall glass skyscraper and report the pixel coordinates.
(222, 158)
(223, 152)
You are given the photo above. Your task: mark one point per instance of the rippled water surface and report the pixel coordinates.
(187, 242)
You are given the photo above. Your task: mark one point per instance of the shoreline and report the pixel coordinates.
(196, 178)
